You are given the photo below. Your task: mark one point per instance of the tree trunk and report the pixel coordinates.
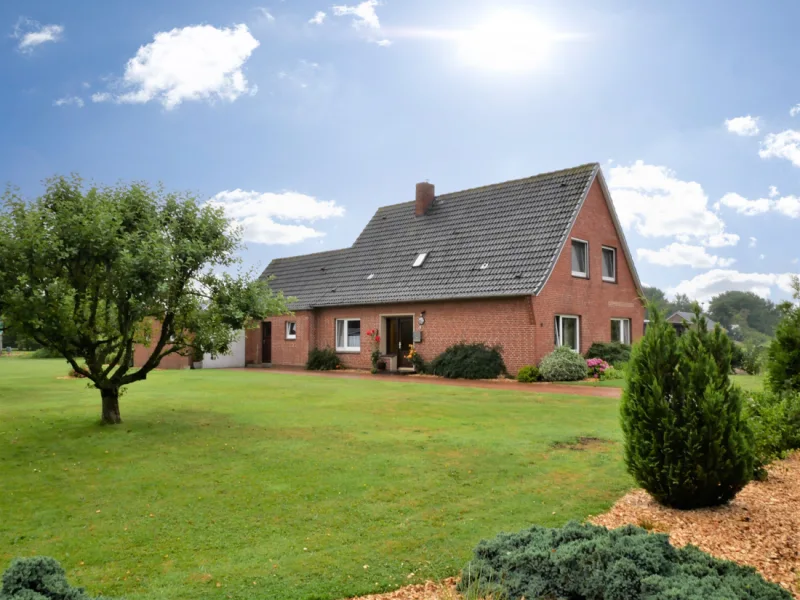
(110, 406)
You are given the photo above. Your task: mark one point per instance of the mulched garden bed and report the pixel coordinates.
(761, 528)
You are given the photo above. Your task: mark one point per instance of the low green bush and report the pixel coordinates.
(611, 352)
(39, 578)
(45, 353)
(469, 361)
(529, 374)
(563, 364)
(323, 359)
(612, 374)
(775, 421)
(583, 562)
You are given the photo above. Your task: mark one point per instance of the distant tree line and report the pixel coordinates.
(746, 316)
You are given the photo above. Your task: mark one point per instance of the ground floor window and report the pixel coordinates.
(567, 330)
(291, 330)
(621, 330)
(348, 335)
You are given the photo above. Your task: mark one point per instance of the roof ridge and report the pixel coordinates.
(593, 165)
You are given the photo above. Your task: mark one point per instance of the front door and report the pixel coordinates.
(399, 337)
(266, 342)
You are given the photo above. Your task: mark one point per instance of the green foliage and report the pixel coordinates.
(469, 361)
(323, 359)
(588, 562)
(612, 374)
(686, 441)
(783, 356)
(46, 353)
(613, 353)
(529, 374)
(85, 272)
(752, 359)
(39, 578)
(746, 310)
(775, 421)
(563, 364)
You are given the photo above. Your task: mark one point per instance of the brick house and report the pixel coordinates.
(526, 264)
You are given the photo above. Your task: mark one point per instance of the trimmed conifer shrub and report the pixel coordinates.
(323, 359)
(563, 364)
(783, 356)
(588, 562)
(686, 441)
(614, 353)
(39, 578)
(469, 361)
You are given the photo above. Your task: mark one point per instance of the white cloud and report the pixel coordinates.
(786, 205)
(747, 126)
(773, 191)
(795, 110)
(102, 97)
(753, 242)
(676, 255)
(702, 287)
(364, 14)
(198, 62)
(318, 18)
(744, 206)
(265, 14)
(656, 203)
(721, 239)
(762, 256)
(785, 144)
(795, 261)
(384, 43)
(69, 101)
(259, 214)
(32, 34)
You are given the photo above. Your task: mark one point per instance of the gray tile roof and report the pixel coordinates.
(515, 228)
(680, 316)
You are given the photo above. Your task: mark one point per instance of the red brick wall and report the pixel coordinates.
(593, 299)
(503, 321)
(173, 361)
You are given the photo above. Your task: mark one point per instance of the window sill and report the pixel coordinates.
(581, 275)
(609, 280)
(290, 339)
(348, 350)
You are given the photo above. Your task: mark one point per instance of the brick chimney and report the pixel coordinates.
(425, 197)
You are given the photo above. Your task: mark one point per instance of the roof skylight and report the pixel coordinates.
(420, 259)
(371, 276)
(484, 266)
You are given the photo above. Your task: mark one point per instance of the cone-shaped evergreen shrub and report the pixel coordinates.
(783, 358)
(686, 442)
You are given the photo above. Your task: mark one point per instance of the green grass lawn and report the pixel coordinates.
(258, 485)
(747, 382)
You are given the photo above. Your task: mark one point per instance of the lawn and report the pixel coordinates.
(747, 382)
(258, 485)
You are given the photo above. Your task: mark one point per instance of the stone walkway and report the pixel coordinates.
(491, 384)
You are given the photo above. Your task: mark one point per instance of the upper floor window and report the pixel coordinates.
(580, 258)
(609, 264)
(291, 330)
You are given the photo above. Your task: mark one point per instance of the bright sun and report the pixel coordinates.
(507, 41)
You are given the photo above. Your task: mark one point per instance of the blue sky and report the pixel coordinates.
(303, 125)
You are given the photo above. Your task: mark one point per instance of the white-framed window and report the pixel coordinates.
(621, 330)
(568, 331)
(609, 264)
(580, 258)
(291, 330)
(348, 335)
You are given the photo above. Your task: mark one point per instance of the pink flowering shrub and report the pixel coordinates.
(597, 367)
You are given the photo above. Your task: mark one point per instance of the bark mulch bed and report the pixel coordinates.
(760, 527)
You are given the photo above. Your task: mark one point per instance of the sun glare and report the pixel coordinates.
(507, 42)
